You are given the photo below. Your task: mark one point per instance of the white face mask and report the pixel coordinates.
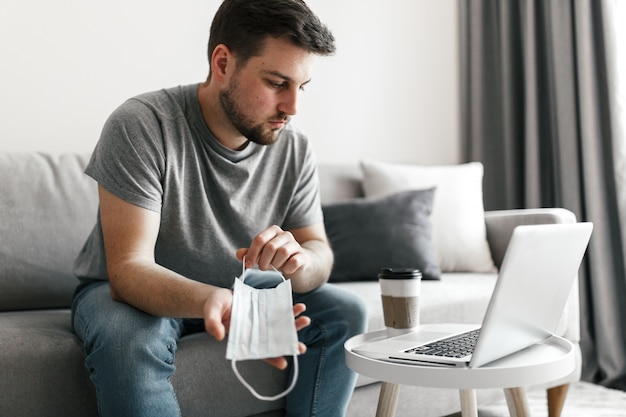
(262, 324)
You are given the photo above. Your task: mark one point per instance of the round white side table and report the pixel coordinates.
(546, 361)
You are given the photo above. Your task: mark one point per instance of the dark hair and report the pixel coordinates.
(244, 25)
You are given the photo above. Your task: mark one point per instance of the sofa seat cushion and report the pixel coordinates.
(42, 359)
(201, 367)
(39, 347)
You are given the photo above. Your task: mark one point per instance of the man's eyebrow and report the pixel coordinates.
(284, 77)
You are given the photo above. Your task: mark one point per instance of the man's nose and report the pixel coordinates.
(289, 102)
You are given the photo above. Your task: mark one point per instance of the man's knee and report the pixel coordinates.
(336, 309)
(355, 311)
(116, 334)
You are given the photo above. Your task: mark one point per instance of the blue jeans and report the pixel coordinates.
(130, 354)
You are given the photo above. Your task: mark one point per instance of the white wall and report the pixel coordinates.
(390, 93)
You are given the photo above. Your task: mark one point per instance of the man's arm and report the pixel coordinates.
(130, 234)
(303, 255)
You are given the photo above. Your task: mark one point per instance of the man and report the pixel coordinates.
(193, 179)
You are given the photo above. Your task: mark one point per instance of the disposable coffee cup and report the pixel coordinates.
(400, 291)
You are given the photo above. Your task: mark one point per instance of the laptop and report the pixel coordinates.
(538, 271)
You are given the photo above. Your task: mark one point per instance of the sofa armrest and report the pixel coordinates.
(500, 225)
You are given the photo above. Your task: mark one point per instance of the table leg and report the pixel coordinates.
(556, 399)
(516, 401)
(387, 400)
(469, 407)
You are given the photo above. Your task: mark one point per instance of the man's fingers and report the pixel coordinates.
(281, 362)
(258, 243)
(278, 250)
(298, 309)
(241, 253)
(215, 328)
(217, 313)
(274, 247)
(301, 321)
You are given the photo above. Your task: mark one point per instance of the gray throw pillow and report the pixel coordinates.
(371, 233)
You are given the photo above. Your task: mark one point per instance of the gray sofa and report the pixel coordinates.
(48, 206)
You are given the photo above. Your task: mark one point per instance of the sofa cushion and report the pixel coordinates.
(47, 208)
(367, 234)
(203, 375)
(43, 368)
(340, 182)
(44, 372)
(459, 232)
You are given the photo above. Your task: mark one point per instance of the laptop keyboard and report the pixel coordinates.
(456, 346)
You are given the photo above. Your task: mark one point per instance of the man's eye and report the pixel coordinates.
(283, 85)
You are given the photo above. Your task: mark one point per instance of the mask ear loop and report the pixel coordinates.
(243, 271)
(263, 397)
(233, 362)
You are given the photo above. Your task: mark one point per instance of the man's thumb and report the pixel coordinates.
(215, 328)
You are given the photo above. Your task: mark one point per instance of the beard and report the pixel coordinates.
(255, 132)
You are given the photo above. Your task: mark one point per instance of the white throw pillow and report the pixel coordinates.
(458, 222)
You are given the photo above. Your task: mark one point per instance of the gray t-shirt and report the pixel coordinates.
(156, 152)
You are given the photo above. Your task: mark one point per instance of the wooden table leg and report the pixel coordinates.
(516, 401)
(387, 400)
(469, 406)
(556, 399)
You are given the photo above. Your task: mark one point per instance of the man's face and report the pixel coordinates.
(261, 96)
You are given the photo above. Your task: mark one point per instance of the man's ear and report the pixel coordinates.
(222, 62)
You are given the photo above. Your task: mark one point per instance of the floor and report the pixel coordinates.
(583, 400)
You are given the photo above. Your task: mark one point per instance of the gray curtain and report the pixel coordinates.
(536, 112)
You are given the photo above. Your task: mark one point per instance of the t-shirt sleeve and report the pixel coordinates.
(128, 160)
(305, 208)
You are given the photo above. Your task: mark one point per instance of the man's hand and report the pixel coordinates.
(274, 247)
(302, 255)
(217, 311)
